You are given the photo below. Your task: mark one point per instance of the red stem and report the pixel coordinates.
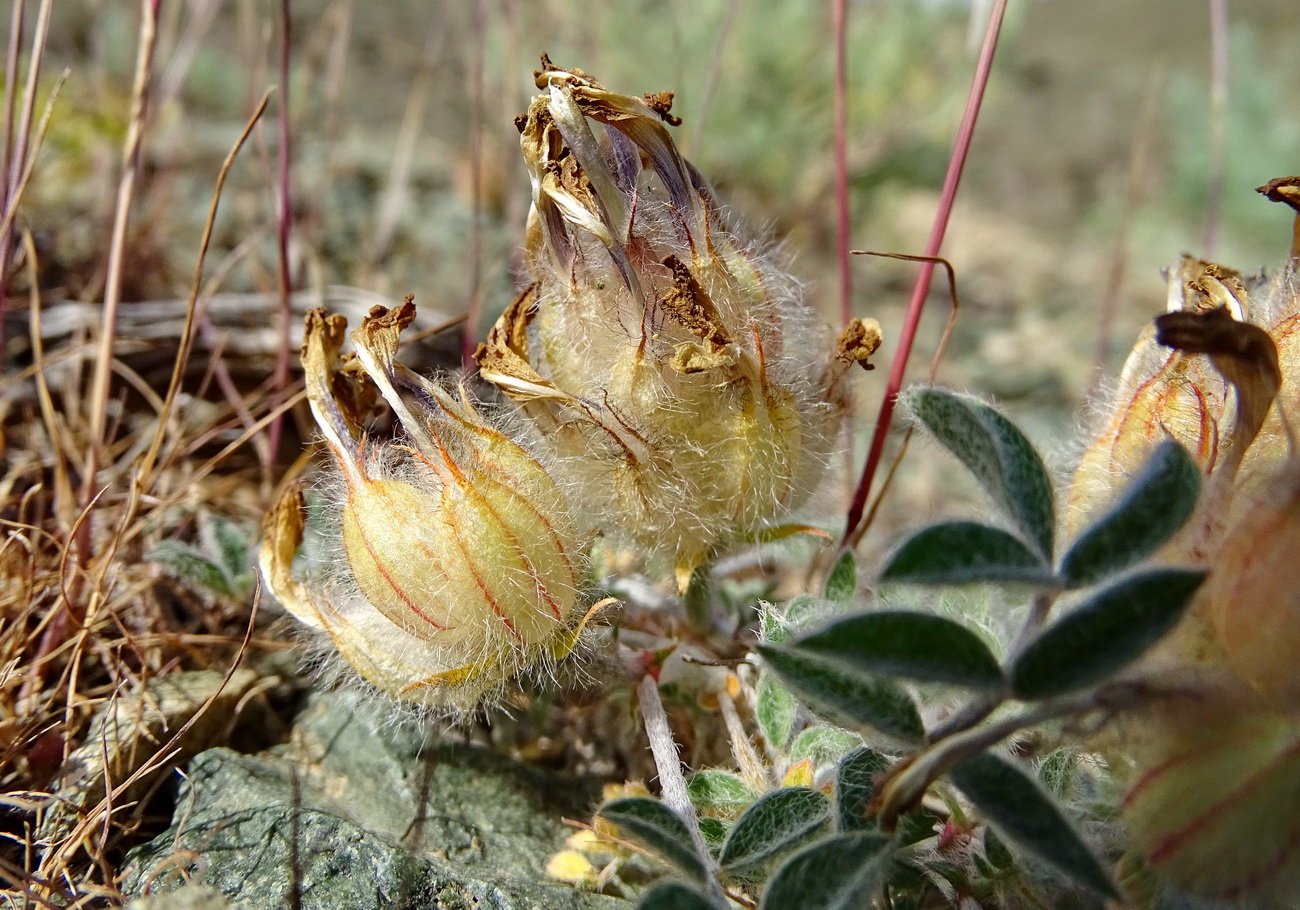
(921, 289)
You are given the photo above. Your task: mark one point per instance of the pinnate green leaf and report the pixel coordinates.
(718, 790)
(836, 873)
(191, 567)
(1153, 507)
(997, 453)
(775, 709)
(231, 543)
(1012, 801)
(965, 552)
(842, 582)
(777, 822)
(1108, 631)
(855, 786)
(903, 643)
(847, 697)
(659, 829)
(822, 744)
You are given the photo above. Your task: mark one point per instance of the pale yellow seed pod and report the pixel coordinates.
(682, 388)
(1214, 811)
(461, 559)
(1251, 601)
(1216, 758)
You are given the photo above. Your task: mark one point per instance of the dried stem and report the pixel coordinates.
(286, 218)
(921, 290)
(1218, 124)
(474, 291)
(192, 306)
(117, 248)
(940, 350)
(842, 161)
(16, 168)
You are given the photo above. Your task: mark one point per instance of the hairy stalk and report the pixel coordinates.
(921, 290)
(669, 766)
(981, 706)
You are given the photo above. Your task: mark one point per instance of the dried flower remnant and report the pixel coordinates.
(1217, 764)
(459, 559)
(683, 389)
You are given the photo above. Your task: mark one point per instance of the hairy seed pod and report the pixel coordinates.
(460, 559)
(1216, 757)
(684, 391)
(1214, 810)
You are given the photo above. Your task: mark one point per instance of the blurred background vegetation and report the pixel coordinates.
(1093, 165)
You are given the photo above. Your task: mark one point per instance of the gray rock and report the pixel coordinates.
(347, 816)
(190, 897)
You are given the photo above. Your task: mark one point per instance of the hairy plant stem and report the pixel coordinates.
(980, 707)
(905, 789)
(669, 766)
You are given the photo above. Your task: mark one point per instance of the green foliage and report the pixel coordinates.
(1152, 509)
(775, 710)
(1011, 800)
(774, 824)
(835, 873)
(676, 896)
(822, 744)
(659, 829)
(221, 566)
(842, 582)
(795, 846)
(718, 791)
(906, 645)
(847, 698)
(1107, 632)
(961, 552)
(999, 456)
(855, 785)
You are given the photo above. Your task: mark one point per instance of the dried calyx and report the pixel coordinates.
(461, 560)
(674, 376)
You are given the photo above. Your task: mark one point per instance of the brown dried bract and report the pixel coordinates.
(858, 341)
(1243, 353)
(1282, 189)
(689, 305)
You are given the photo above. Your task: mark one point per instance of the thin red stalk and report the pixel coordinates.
(281, 382)
(842, 159)
(921, 289)
(1218, 117)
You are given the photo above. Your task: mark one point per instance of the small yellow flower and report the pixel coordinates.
(682, 388)
(460, 559)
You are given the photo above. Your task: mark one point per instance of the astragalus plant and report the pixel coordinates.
(1136, 743)
(671, 394)
(680, 387)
